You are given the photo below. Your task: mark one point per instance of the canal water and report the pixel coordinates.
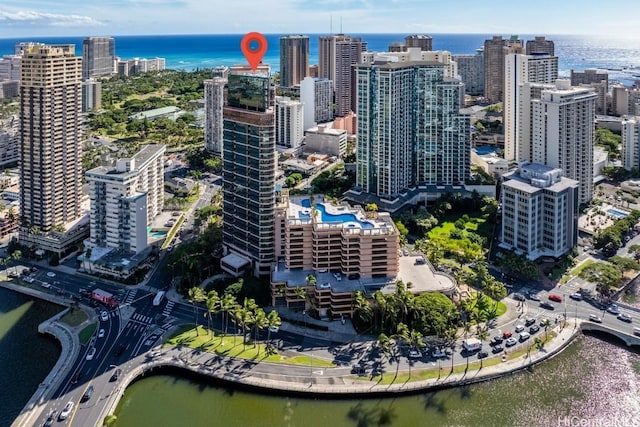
(26, 357)
(593, 381)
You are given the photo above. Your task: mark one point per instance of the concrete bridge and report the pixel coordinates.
(628, 337)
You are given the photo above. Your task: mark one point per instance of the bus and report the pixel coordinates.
(158, 298)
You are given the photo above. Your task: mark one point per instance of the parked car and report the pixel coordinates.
(530, 321)
(534, 297)
(496, 340)
(506, 334)
(519, 328)
(594, 318)
(555, 298)
(66, 411)
(534, 329)
(482, 354)
(518, 296)
(358, 370)
(510, 342)
(524, 336)
(51, 274)
(625, 318)
(439, 354)
(497, 348)
(576, 296)
(415, 354)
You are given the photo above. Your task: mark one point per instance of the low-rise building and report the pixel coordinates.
(326, 140)
(168, 112)
(539, 211)
(491, 163)
(316, 237)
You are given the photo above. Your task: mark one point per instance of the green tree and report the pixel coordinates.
(227, 304)
(634, 250)
(260, 321)
(213, 306)
(196, 294)
(273, 321)
(606, 276)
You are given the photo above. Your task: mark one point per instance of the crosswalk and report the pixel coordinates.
(168, 308)
(141, 318)
(131, 295)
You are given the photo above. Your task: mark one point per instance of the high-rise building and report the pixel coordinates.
(98, 56)
(91, 95)
(520, 69)
(471, 72)
(52, 134)
(249, 172)
(494, 53)
(562, 134)
(289, 122)
(397, 47)
(588, 76)
(213, 105)
(294, 59)
(125, 199)
(413, 54)
(422, 41)
(541, 46)
(539, 211)
(9, 139)
(410, 131)
(316, 95)
(631, 143)
(337, 54)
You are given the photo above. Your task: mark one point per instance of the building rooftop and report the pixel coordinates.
(155, 113)
(140, 160)
(532, 177)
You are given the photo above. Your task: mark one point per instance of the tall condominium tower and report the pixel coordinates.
(98, 55)
(213, 105)
(249, 172)
(494, 53)
(471, 71)
(562, 133)
(336, 56)
(289, 122)
(631, 143)
(410, 132)
(316, 95)
(294, 59)
(540, 45)
(520, 69)
(422, 41)
(51, 142)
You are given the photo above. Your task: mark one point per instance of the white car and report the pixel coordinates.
(613, 309)
(104, 316)
(525, 336)
(274, 329)
(595, 318)
(64, 414)
(415, 354)
(51, 274)
(91, 354)
(101, 333)
(519, 328)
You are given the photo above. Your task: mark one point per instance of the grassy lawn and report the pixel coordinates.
(87, 332)
(490, 302)
(172, 233)
(445, 368)
(74, 317)
(460, 247)
(576, 271)
(233, 347)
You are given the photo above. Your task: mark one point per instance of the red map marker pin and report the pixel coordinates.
(254, 56)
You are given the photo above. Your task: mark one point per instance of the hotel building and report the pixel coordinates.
(289, 122)
(342, 246)
(520, 69)
(213, 105)
(249, 172)
(51, 137)
(539, 211)
(294, 59)
(494, 54)
(316, 95)
(631, 143)
(337, 54)
(562, 133)
(471, 72)
(98, 56)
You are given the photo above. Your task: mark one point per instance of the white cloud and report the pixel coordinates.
(32, 17)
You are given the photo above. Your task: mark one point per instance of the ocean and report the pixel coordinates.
(189, 52)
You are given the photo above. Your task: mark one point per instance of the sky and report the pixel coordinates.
(21, 18)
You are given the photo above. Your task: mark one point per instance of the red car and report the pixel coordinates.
(554, 297)
(506, 334)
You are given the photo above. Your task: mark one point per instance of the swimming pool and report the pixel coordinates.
(159, 234)
(617, 213)
(328, 217)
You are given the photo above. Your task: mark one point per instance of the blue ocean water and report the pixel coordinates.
(189, 52)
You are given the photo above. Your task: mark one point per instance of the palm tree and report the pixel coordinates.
(273, 321)
(381, 304)
(384, 343)
(196, 294)
(226, 305)
(362, 308)
(213, 306)
(482, 334)
(415, 341)
(402, 335)
(546, 324)
(260, 322)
